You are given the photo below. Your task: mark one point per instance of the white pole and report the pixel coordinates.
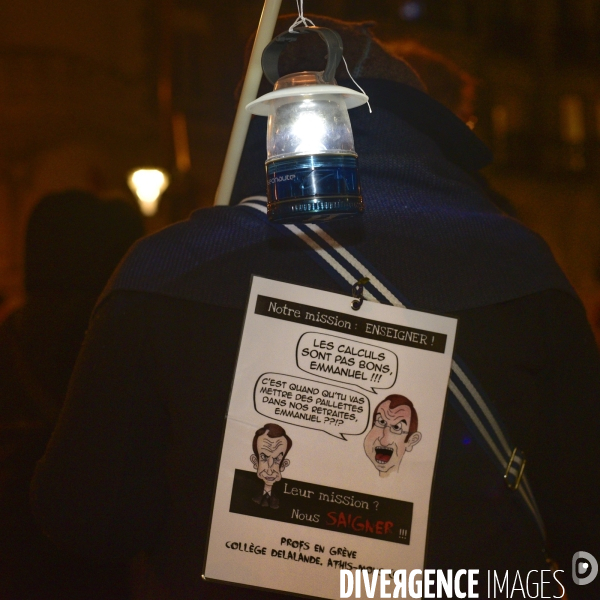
(264, 34)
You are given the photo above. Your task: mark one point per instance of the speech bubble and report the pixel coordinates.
(311, 404)
(347, 361)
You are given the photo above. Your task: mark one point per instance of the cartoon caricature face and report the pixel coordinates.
(394, 432)
(269, 458)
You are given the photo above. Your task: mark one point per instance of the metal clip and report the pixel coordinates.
(514, 486)
(357, 292)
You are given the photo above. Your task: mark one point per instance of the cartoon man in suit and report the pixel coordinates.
(270, 446)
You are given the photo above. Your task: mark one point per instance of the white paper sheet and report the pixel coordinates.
(341, 487)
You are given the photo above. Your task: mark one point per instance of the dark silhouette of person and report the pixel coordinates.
(453, 87)
(444, 79)
(74, 241)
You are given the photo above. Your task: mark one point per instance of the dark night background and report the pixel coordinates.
(89, 90)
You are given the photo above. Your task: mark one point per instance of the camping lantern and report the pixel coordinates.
(311, 167)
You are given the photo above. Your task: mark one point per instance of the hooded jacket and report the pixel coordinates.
(132, 464)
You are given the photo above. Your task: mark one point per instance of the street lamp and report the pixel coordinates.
(148, 184)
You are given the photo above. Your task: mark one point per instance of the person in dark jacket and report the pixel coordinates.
(131, 466)
(74, 242)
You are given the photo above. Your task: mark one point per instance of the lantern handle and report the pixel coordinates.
(271, 54)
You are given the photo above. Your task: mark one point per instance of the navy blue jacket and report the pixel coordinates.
(132, 464)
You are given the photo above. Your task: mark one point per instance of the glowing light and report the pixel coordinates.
(572, 119)
(500, 121)
(309, 129)
(411, 11)
(148, 185)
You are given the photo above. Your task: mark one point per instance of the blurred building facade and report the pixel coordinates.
(538, 64)
(75, 107)
(91, 89)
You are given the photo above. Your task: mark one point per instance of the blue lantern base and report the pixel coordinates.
(311, 188)
(314, 209)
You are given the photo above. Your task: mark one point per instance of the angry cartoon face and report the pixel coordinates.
(391, 435)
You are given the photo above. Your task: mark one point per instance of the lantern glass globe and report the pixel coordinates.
(308, 124)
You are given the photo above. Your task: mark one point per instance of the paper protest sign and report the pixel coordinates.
(330, 442)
